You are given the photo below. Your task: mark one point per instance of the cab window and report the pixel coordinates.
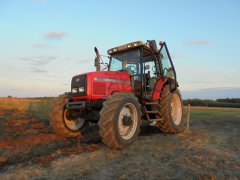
(164, 61)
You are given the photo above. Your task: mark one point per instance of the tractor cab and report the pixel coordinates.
(145, 64)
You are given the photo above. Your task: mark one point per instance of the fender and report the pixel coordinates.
(158, 88)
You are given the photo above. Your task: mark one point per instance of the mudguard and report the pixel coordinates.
(158, 88)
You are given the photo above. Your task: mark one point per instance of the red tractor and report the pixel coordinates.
(140, 83)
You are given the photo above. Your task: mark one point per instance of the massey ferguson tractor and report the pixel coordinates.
(139, 83)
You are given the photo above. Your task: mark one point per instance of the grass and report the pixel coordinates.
(200, 113)
(15, 103)
(39, 108)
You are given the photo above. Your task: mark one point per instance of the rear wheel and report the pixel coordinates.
(171, 110)
(65, 122)
(120, 120)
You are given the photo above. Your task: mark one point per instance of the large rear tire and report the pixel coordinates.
(171, 110)
(60, 122)
(120, 120)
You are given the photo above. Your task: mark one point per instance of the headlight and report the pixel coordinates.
(81, 89)
(74, 90)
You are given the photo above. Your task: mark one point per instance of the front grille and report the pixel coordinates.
(79, 81)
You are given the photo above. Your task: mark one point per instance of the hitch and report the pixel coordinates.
(76, 105)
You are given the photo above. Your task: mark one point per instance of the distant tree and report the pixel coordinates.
(229, 100)
(234, 102)
(9, 96)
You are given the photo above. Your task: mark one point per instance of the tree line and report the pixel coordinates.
(228, 102)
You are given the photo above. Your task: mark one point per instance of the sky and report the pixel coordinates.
(43, 43)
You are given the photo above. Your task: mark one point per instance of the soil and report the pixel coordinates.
(29, 150)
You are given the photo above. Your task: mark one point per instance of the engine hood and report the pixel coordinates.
(101, 84)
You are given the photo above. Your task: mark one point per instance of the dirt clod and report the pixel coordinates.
(3, 160)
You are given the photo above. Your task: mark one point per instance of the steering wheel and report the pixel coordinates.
(169, 72)
(132, 68)
(165, 69)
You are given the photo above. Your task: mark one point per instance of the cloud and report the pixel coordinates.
(39, 61)
(200, 42)
(40, 46)
(36, 64)
(55, 35)
(36, 70)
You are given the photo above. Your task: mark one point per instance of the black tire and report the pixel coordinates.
(109, 119)
(170, 124)
(57, 119)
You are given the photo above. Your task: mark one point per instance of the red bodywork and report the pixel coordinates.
(101, 84)
(158, 88)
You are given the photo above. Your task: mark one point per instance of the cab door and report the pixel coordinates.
(166, 66)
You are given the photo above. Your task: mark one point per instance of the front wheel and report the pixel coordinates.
(65, 122)
(120, 120)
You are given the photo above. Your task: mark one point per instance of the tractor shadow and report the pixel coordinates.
(91, 134)
(147, 130)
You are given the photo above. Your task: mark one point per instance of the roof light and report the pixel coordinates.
(135, 44)
(125, 47)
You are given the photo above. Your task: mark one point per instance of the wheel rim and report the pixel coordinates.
(176, 109)
(72, 124)
(127, 132)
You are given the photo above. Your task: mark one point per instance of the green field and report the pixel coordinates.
(211, 113)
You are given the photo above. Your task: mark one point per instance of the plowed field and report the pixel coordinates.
(29, 150)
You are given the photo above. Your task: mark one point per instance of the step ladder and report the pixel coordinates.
(147, 112)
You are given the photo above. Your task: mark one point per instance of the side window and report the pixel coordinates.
(166, 67)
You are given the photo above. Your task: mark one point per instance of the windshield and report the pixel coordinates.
(129, 61)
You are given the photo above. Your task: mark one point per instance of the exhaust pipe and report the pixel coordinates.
(97, 59)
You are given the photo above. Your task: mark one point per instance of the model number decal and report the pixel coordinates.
(112, 80)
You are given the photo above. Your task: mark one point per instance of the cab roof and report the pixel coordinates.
(126, 47)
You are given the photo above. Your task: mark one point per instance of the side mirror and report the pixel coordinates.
(161, 43)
